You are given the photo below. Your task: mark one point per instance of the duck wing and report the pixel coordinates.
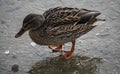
(68, 19)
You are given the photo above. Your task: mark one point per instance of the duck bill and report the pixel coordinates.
(20, 33)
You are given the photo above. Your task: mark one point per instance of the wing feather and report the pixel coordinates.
(58, 20)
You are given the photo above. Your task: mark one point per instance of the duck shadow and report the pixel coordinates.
(59, 65)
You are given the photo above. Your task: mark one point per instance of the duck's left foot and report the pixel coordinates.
(67, 54)
(55, 48)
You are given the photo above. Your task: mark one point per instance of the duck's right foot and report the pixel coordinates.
(55, 48)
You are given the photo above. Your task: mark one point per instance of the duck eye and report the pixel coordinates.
(25, 25)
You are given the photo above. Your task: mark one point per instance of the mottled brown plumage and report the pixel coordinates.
(58, 26)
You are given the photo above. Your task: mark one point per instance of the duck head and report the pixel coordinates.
(31, 21)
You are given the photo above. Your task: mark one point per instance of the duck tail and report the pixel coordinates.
(88, 17)
(93, 18)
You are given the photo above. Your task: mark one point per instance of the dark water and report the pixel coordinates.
(97, 52)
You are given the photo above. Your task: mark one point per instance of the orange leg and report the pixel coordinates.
(68, 54)
(55, 48)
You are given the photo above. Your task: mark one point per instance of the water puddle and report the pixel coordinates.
(59, 65)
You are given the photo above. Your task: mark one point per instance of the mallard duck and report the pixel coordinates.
(59, 25)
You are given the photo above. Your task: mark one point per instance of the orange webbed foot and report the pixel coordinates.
(55, 48)
(67, 54)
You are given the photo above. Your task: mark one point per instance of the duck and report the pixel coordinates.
(58, 26)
